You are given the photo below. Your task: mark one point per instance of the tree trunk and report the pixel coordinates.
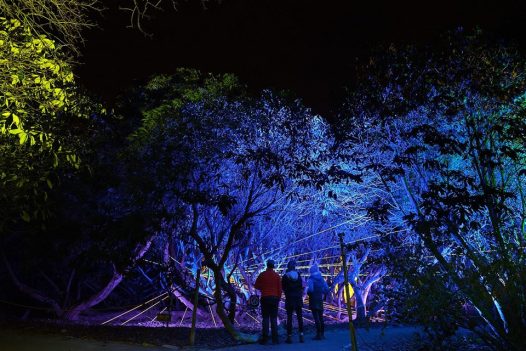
(223, 285)
(220, 309)
(361, 310)
(247, 279)
(232, 307)
(194, 311)
(187, 302)
(73, 313)
(99, 296)
(233, 300)
(340, 297)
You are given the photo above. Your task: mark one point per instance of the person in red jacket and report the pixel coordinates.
(269, 283)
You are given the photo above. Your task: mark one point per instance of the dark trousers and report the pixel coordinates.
(294, 305)
(269, 310)
(317, 314)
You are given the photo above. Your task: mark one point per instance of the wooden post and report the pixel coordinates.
(352, 331)
(194, 310)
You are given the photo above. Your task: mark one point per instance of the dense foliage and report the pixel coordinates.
(42, 120)
(423, 171)
(210, 162)
(444, 131)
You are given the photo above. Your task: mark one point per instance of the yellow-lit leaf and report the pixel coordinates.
(22, 137)
(25, 216)
(16, 120)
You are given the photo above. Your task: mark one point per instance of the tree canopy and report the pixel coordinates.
(444, 132)
(41, 118)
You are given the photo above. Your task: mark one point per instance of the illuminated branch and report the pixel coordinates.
(63, 20)
(114, 281)
(140, 10)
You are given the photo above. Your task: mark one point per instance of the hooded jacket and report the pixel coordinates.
(316, 288)
(292, 285)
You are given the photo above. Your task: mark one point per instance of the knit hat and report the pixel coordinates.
(291, 265)
(314, 268)
(271, 264)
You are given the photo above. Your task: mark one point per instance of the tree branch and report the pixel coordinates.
(35, 294)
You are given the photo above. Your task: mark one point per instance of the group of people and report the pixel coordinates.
(271, 286)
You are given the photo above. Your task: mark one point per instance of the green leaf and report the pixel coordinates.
(22, 137)
(16, 120)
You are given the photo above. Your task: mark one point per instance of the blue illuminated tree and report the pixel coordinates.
(444, 131)
(213, 163)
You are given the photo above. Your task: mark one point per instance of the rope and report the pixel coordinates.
(331, 317)
(301, 254)
(254, 318)
(149, 308)
(184, 314)
(323, 258)
(212, 314)
(133, 309)
(308, 320)
(37, 308)
(164, 309)
(327, 248)
(334, 308)
(297, 241)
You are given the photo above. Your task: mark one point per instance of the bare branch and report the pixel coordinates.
(140, 11)
(35, 294)
(63, 20)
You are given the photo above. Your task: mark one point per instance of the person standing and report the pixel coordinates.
(269, 283)
(316, 289)
(292, 285)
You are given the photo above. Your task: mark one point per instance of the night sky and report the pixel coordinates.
(307, 47)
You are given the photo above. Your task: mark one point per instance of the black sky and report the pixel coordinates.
(308, 47)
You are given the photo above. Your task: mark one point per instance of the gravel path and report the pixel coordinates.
(392, 338)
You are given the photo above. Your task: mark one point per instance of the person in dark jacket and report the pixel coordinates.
(316, 289)
(292, 285)
(269, 283)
